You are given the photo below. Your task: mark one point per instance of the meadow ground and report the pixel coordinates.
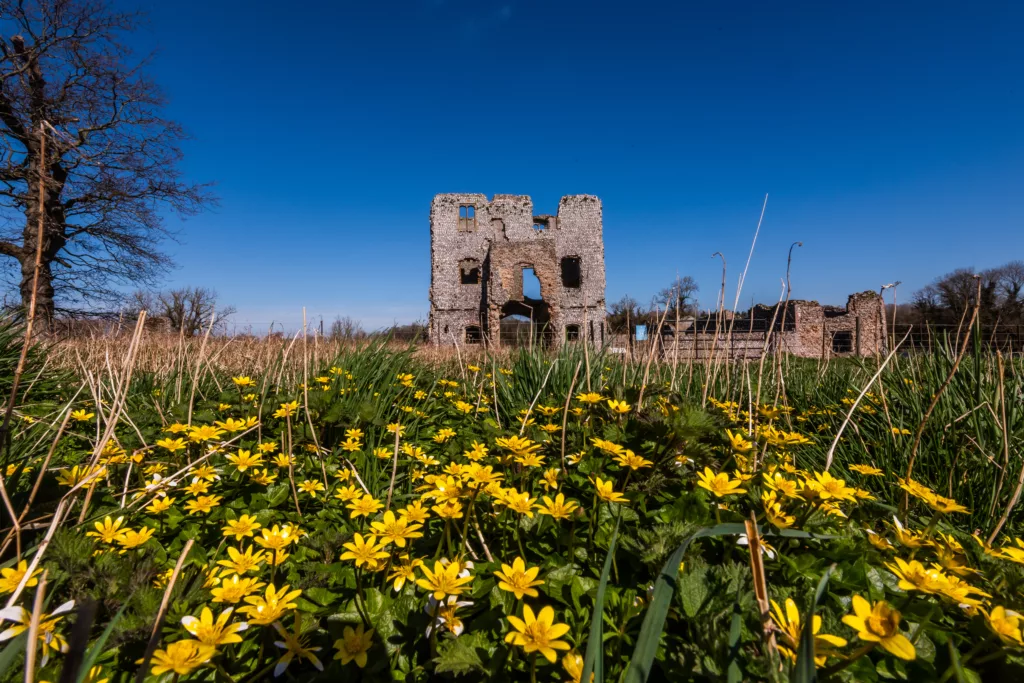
(245, 509)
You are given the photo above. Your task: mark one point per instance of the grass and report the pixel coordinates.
(653, 586)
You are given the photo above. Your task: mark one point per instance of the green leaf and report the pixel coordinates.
(593, 660)
(650, 632)
(693, 590)
(10, 653)
(805, 670)
(461, 655)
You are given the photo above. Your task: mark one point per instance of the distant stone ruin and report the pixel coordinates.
(479, 251)
(802, 328)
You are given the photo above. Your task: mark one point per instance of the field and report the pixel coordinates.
(252, 509)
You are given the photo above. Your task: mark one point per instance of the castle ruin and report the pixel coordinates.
(479, 250)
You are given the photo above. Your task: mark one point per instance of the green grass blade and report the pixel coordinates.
(735, 674)
(593, 661)
(664, 587)
(805, 670)
(10, 653)
(97, 648)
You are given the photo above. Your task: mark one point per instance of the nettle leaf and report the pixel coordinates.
(463, 654)
(693, 590)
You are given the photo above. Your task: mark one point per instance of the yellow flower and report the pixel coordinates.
(945, 505)
(287, 409)
(205, 433)
(181, 657)
(241, 527)
(415, 513)
(572, 662)
(311, 486)
(172, 445)
(404, 571)
(719, 484)
(108, 531)
(590, 398)
(450, 509)
(557, 508)
(234, 589)
(867, 470)
(774, 513)
(231, 424)
(738, 442)
(364, 551)
(268, 608)
(243, 460)
(396, 531)
(353, 645)
(1006, 624)
(133, 539)
(81, 415)
(365, 506)
(202, 504)
(538, 633)
(276, 538)
(243, 381)
(788, 622)
(827, 487)
(879, 623)
(240, 562)
(214, 632)
(521, 503)
(619, 407)
(12, 577)
(197, 487)
(519, 580)
(606, 492)
(443, 580)
(284, 460)
(76, 475)
(914, 576)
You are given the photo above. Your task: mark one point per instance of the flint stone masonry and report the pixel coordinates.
(505, 237)
(803, 328)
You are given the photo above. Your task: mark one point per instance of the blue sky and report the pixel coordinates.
(887, 136)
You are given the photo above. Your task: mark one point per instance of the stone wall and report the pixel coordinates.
(504, 236)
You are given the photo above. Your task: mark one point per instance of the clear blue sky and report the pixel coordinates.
(888, 137)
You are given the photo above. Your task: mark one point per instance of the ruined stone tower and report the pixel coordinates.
(479, 250)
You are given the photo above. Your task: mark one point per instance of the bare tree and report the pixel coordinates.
(189, 308)
(346, 328)
(681, 291)
(110, 166)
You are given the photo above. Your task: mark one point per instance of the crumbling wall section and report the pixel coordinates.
(506, 236)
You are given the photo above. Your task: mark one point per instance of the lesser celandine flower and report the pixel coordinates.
(443, 580)
(268, 608)
(519, 580)
(605, 491)
(234, 589)
(558, 508)
(242, 527)
(287, 409)
(789, 625)
(618, 407)
(81, 415)
(12, 577)
(719, 484)
(49, 638)
(364, 551)
(108, 531)
(353, 645)
(181, 657)
(589, 398)
(1006, 624)
(538, 633)
(215, 632)
(867, 470)
(242, 562)
(396, 530)
(879, 623)
(364, 506)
